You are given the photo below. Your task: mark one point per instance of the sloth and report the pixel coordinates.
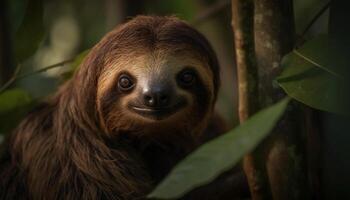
(142, 99)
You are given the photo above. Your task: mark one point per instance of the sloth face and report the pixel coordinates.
(153, 74)
(156, 89)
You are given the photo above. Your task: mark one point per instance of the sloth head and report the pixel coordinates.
(150, 74)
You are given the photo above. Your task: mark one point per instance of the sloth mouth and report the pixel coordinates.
(157, 113)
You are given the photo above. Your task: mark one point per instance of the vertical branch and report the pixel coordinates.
(247, 74)
(284, 150)
(264, 33)
(274, 37)
(242, 23)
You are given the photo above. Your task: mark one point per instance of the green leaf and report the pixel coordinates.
(313, 75)
(31, 31)
(14, 104)
(322, 53)
(219, 155)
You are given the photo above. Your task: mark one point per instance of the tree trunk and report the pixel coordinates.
(248, 104)
(264, 33)
(284, 149)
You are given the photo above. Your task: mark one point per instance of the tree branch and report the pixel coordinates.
(44, 69)
(15, 76)
(11, 80)
(247, 74)
(284, 150)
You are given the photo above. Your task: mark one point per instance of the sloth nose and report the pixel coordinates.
(157, 96)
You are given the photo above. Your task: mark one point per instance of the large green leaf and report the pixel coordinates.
(14, 104)
(313, 75)
(219, 155)
(31, 31)
(323, 53)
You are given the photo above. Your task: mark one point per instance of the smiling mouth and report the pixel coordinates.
(157, 113)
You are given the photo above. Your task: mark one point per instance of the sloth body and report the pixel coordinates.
(140, 102)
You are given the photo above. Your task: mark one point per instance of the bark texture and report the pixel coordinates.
(284, 149)
(264, 33)
(248, 103)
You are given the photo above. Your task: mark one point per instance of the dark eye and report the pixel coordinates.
(125, 83)
(187, 77)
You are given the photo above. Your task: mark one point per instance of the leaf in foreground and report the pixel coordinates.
(217, 156)
(325, 54)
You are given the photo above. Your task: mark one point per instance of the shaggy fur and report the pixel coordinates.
(75, 146)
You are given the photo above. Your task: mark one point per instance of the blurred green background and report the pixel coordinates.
(72, 26)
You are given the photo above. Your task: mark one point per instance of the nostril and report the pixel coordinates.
(164, 99)
(149, 100)
(157, 96)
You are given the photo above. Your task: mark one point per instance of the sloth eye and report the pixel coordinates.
(187, 77)
(125, 83)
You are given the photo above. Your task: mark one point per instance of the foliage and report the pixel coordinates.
(312, 75)
(219, 155)
(26, 22)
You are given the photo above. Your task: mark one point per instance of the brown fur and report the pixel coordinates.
(79, 145)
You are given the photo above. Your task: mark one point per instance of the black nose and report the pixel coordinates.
(157, 96)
